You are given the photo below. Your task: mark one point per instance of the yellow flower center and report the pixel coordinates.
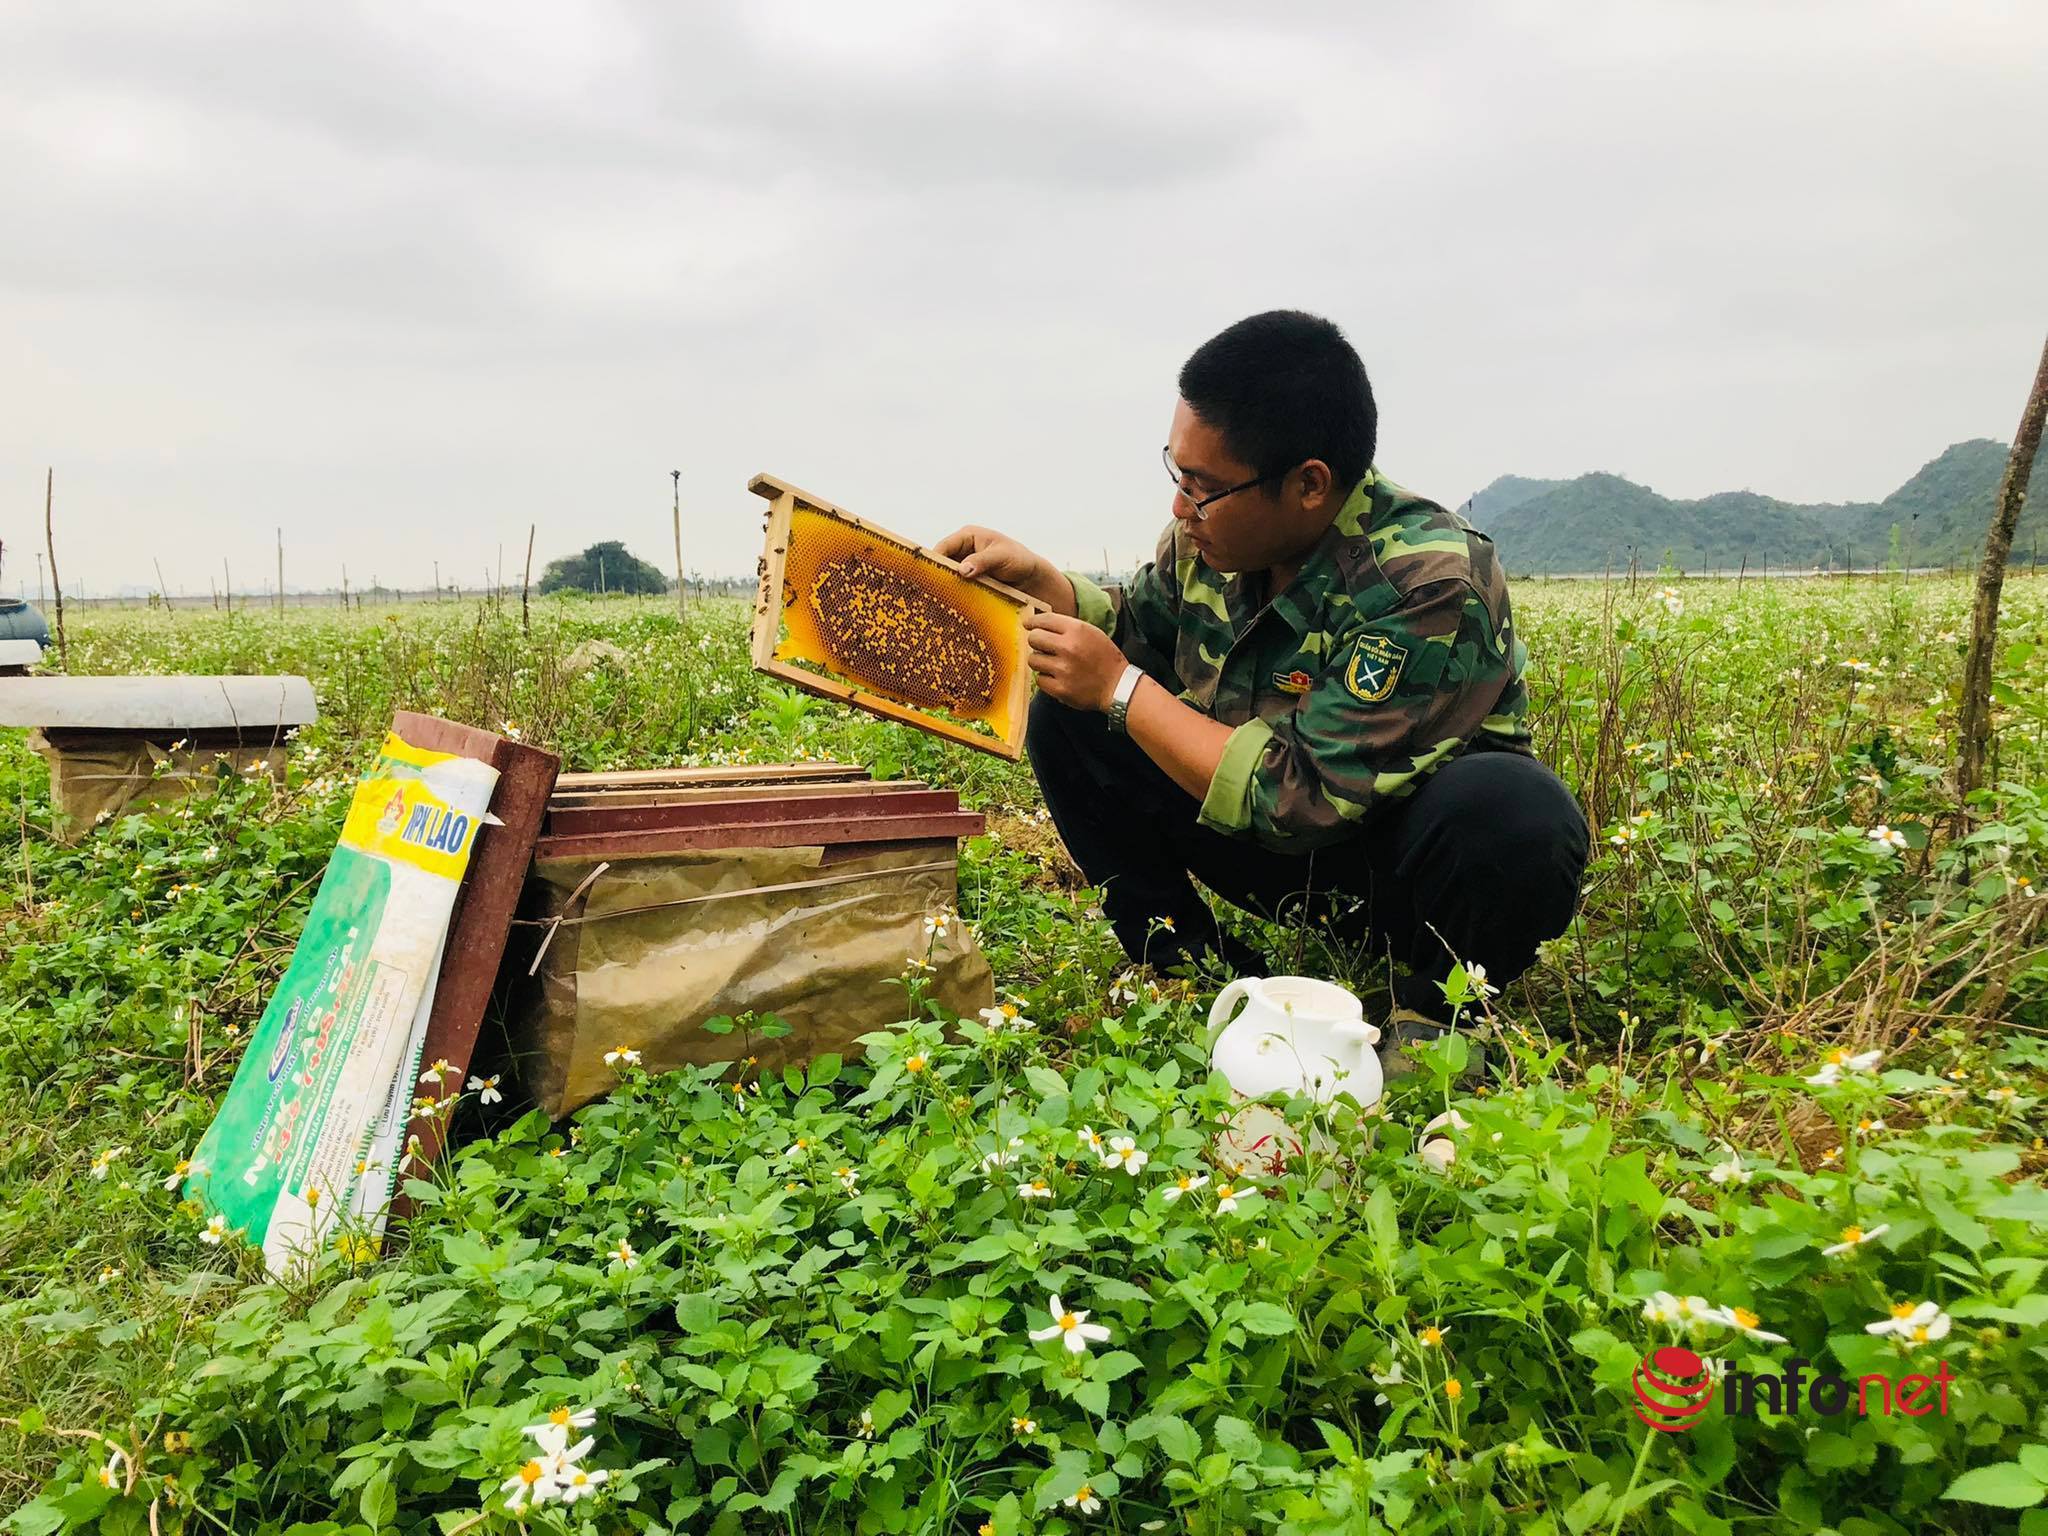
(1852, 1234)
(1432, 1337)
(1454, 1389)
(531, 1473)
(560, 1416)
(1837, 1056)
(1084, 1493)
(1069, 1322)
(915, 1064)
(1009, 1010)
(1744, 1318)
(1902, 1309)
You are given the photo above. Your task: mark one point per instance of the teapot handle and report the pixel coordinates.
(1219, 1011)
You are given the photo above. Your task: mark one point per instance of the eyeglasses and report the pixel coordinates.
(1202, 504)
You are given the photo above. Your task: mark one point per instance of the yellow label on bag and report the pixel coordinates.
(399, 816)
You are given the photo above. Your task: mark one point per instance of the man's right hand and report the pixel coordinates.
(984, 552)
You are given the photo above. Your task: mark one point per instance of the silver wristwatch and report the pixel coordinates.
(1120, 700)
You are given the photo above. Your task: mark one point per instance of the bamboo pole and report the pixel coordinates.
(162, 591)
(1975, 725)
(56, 585)
(525, 581)
(675, 477)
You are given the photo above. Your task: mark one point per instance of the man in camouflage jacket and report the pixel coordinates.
(1319, 688)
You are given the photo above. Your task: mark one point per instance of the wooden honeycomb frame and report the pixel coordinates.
(993, 611)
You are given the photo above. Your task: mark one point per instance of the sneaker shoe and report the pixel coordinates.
(1407, 1031)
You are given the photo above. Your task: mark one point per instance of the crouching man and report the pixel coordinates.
(1314, 691)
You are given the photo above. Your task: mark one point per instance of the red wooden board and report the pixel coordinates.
(824, 831)
(482, 920)
(571, 821)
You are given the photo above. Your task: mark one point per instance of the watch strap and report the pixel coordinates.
(1120, 700)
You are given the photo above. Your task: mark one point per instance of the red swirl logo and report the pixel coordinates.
(1672, 1389)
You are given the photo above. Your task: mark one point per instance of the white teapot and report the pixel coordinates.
(1295, 1035)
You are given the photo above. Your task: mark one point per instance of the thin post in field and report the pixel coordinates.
(1974, 727)
(57, 586)
(676, 513)
(525, 581)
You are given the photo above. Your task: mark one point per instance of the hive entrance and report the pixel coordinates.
(853, 612)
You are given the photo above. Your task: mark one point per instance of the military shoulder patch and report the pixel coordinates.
(1375, 668)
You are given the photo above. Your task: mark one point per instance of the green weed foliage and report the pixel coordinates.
(1777, 1094)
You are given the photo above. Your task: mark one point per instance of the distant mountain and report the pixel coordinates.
(1598, 520)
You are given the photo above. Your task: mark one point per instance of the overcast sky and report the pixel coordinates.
(406, 278)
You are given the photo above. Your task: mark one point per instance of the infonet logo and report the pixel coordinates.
(1674, 1390)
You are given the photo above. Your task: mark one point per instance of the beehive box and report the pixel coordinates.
(657, 901)
(847, 610)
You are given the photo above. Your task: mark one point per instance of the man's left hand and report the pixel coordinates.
(1076, 663)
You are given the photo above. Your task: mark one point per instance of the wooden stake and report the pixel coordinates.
(344, 588)
(525, 624)
(162, 591)
(676, 512)
(57, 586)
(227, 585)
(1975, 724)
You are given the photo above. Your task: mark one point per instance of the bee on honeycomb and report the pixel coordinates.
(887, 629)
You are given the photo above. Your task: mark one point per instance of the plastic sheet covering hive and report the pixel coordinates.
(896, 623)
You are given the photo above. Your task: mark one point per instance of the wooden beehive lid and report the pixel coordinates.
(256, 706)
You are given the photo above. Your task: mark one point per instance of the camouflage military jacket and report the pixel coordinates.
(1390, 652)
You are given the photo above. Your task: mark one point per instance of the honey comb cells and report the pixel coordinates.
(849, 610)
(888, 629)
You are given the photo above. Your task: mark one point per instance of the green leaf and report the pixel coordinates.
(1265, 1319)
(2003, 1484)
(1176, 1437)
(823, 1070)
(1115, 1365)
(1045, 1082)
(1238, 1439)
(379, 1501)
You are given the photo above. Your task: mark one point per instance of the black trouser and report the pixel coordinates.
(1481, 863)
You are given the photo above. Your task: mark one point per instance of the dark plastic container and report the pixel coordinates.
(21, 621)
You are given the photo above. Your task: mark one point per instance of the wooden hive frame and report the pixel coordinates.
(786, 500)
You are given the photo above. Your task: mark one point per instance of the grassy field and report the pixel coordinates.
(1380, 1341)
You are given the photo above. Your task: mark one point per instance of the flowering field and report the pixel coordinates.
(1776, 1099)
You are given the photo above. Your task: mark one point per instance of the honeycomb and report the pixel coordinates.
(896, 622)
(889, 631)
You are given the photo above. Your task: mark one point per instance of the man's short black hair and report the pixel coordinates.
(1285, 387)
